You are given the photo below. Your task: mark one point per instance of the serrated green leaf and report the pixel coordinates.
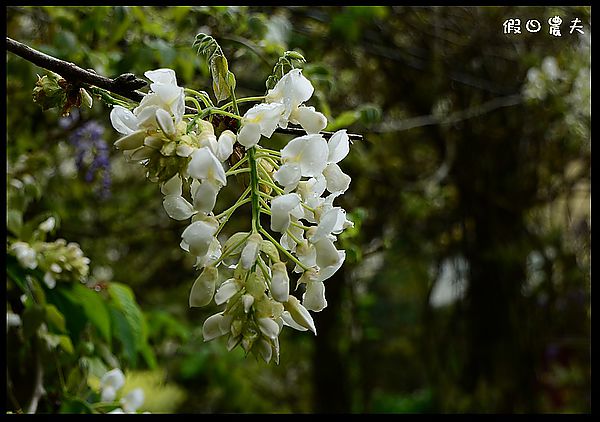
(55, 318)
(94, 308)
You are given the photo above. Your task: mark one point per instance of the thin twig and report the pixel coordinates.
(124, 85)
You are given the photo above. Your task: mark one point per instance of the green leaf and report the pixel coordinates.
(14, 221)
(130, 325)
(56, 318)
(124, 333)
(223, 83)
(65, 344)
(16, 272)
(343, 120)
(71, 308)
(94, 308)
(219, 71)
(73, 405)
(32, 318)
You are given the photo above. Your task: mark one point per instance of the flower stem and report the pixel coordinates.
(195, 101)
(254, 190)
(240, 199)
(203, 96)
(228, 251)
(239, 163)
(283, 250)
(241, 100)
(238, 171)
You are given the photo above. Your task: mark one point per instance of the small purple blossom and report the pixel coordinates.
(89, 144)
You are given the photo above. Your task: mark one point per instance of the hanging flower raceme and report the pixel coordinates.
(272, 275)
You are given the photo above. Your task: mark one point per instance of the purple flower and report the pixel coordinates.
(90, 146)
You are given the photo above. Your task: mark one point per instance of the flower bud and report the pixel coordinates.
(268, 327)
(204, 287)
(280, 283)
(300, 314)
(215, 326)
(314, 297)
(226, 291)
(250, 251)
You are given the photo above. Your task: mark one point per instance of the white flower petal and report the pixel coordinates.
(247, 301)
(280, 211)
(165, 122)
(310, 151)
(338, 146)
(225, 145)
(327, 272)
(268, 327)
(177, 207)
(168, 94)
(250, 251)
(133, 400)
(108, 394)
(113, 378)
(289, 321)
(184, 150)
(172, 186)
(213, 326)
(49, 280)
(205, 166)
(226, 291)
(327, 254)
(288, 175)
(162, 76)
(311, 121)
(337, 180)
(307, 254)
(291, 90)
(280, 283)
(205, 196)
(249, 134)
(198, 236)
(133, 140)
(264, 349)
(267, 116)
(327, 223)
(203, 288)
(123, 120)
(300, 314)
(147, 115)
(314, 297)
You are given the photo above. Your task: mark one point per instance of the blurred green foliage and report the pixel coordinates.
(467, 283)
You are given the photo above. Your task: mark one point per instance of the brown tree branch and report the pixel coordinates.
(125, 85)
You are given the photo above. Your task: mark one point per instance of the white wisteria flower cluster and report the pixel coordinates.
(291, 192)
(110, 384)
